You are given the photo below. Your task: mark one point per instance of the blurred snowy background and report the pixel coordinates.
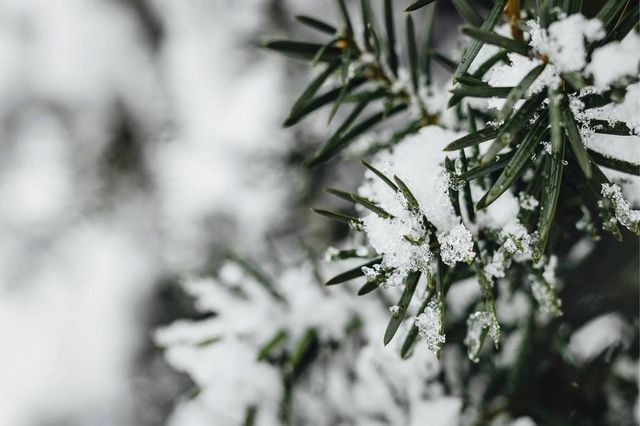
(141, 141)
(129, 131)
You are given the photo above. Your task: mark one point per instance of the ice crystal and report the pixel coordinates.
(394, 309)
(429, 326)
(456, 245)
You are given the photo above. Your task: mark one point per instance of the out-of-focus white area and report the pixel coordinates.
(80, 251)
(226, 101)
(598, 335)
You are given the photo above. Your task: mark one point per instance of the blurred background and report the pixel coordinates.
(138, 138)
(141, 140)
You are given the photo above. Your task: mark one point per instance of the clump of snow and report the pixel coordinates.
(516, 240)
(216, 369)
(544, 293)
(527, 202)
(456, 245)
(562, 46)
(564, 41)
(615, 146)
(403, 240)
(389, 238)
(500, 213)
(507, 75)
(417, 160)
(429, 326)
(627, 111)
(615, 60)
(626, 216)
(380, 377)
(498, 264)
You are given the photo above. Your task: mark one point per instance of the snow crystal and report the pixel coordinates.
(516, 240)
(387, 275)
(564, 41)
(429, 325)
(527, 202)
(456, 245)
(394, 309)
(625, 215)
(388, 238)
(615, 60)
(478, 323)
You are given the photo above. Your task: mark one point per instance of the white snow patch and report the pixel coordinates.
(597, 335)
(614, 60)
(564, 41)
